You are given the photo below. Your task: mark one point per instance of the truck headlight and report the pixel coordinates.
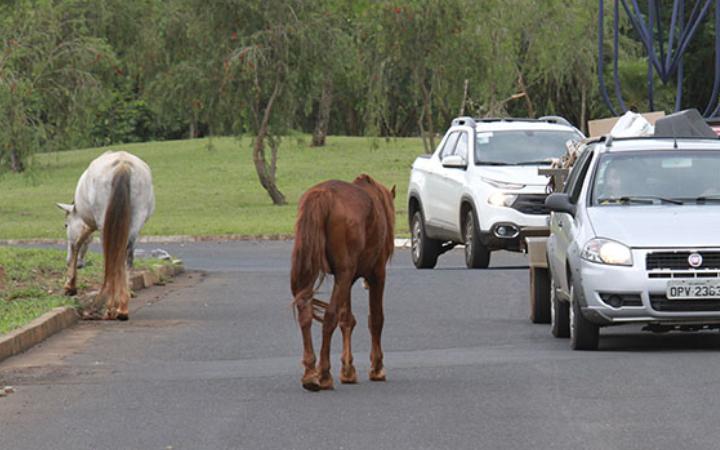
(501, 199)
(605, 251)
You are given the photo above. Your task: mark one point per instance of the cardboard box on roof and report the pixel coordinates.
(601, 127)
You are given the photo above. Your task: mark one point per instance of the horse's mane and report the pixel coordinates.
(387, 202)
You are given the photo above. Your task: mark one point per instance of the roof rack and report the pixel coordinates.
(556, 119)
(464, 120)
(472, 121)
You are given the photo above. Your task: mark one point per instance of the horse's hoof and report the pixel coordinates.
(123, 316)
(310, 380)
(311, 385)
(348, 376)
(326, 383)
(377, 375)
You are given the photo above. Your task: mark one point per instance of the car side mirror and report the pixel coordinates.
(560, 202)
(454, 162)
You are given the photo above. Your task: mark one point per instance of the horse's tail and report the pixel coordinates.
(116, 231)
(309, 259)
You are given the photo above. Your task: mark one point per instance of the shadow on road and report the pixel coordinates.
(646, 342)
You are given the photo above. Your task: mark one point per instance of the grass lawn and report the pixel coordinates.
(31, 282)
(205, 192)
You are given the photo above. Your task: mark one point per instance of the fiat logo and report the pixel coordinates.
(695, 260)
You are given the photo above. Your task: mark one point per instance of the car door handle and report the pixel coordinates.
(560, 224)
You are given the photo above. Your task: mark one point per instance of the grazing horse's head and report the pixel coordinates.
(74, 225)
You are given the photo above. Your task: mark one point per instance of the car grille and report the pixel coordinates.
(679, 260)
(661, 303)
(531, 204)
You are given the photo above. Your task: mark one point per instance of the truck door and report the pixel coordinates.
(453, 180)
(434, 198)
(563, 226)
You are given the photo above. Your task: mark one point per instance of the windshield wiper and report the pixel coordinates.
(706, 198)
(641, 199)
(535, 163)
(493, 163)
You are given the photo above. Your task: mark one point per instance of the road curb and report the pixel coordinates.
(37, 331)
(58, 319)
(399, 242)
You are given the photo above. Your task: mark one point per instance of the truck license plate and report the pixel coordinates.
(693, 289)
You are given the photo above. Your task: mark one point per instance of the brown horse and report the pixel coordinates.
(343, 229)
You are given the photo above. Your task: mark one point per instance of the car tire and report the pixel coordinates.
(539, 295)
(559, 314)
(423, 250)
(584, 335)
(477, 255)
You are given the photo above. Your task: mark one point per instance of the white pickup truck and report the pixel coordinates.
(481, 187)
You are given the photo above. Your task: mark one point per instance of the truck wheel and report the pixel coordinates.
(539, 295)
(559, 314)
(584, 335)
(424, 250)
(477, 256)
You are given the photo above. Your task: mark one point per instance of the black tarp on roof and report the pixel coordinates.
(684, 124)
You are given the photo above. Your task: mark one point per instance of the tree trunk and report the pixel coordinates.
(523, 89)
(464, 98)
(420, 119)
(323, 119)
(267, 174)
(16, 163)
(428, 116)
(583, 109)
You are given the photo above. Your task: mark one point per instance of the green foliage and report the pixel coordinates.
(122, 120)
(50, 76)
(76, 73)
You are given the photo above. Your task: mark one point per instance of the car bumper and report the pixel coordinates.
(515, 241)
(642, 297)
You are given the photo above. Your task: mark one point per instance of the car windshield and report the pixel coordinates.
(657, 177)
(520, 147)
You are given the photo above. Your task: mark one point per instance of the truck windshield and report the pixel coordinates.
(657, 177)
(521, 147)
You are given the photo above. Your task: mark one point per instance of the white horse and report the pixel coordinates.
(114, 195)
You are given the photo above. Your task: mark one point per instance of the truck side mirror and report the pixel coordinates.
(454, 162)
(560, 202)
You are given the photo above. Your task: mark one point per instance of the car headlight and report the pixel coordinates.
(501, 199)
(605, 251)
(502, 184)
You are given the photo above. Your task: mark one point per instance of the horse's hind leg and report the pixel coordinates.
(123, 297)
(376, 320)
(348, 374)
(130, 253)
(340, 295)
(305, 318)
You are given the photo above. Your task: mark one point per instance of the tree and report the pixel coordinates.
(50, 77)
(265, 72)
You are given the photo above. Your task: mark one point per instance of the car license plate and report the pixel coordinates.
(693, 289)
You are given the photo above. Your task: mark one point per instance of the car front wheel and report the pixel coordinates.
(477, 256)
(424, 250)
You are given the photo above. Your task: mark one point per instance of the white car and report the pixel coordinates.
(481, 187)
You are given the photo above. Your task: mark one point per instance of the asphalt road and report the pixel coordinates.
(212, 361)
